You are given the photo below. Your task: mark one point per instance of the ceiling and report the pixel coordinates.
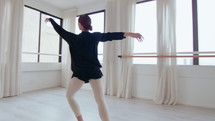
(66, 4)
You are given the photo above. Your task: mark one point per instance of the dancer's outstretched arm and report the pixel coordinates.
(138, 36)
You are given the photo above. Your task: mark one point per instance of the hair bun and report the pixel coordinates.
(88, 27)
(85, 21)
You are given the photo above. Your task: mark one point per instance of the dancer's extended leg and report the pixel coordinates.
(100, 99)
(74, 85)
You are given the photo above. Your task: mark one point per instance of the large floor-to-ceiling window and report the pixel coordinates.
(41, 44)
(194, 31)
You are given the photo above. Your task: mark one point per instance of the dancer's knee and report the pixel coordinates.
(69, 95)
(99, 99)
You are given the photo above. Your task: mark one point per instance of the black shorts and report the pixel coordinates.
(85, 74)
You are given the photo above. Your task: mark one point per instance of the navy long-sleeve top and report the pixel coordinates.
(83, 49)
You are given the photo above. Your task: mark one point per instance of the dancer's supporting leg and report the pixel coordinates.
(74, 85)
(100, 99)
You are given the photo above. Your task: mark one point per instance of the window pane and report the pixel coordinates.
(98, 26)
(206, 27)
(184, 30)
(49, 59)
(29, 57)
(146, 24)
(49, 41)
(30, 34)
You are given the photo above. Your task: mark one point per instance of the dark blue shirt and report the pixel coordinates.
(84, 52)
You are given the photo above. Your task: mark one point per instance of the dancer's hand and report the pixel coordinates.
(138, 36)
(47, 20)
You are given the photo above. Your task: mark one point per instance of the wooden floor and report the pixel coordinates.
(51, 105)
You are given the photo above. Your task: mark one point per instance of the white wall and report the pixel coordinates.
(195, 84)
(37, 76)
(44, 7)
(92, 7)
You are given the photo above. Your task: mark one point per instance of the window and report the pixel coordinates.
(194, 31)
(146, 24)
(97, 19)
(40, 41)
(184, 30)
(206, 29)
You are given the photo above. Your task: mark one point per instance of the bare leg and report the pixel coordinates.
(74, 85)
(100, 99)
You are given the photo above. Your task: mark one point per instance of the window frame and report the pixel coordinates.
(148, 53)
(143, 1)
(39, 37)
(195, 31)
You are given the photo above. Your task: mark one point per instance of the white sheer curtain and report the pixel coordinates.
(166, 88)
(69, 25)
(118, 72)
(11, 24)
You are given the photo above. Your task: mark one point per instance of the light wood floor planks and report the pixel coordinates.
(51, 105)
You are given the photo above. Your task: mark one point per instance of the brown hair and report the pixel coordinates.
(85, 21)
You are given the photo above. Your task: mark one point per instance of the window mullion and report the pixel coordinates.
(39, 39)
(195, 31)
(60, 45)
